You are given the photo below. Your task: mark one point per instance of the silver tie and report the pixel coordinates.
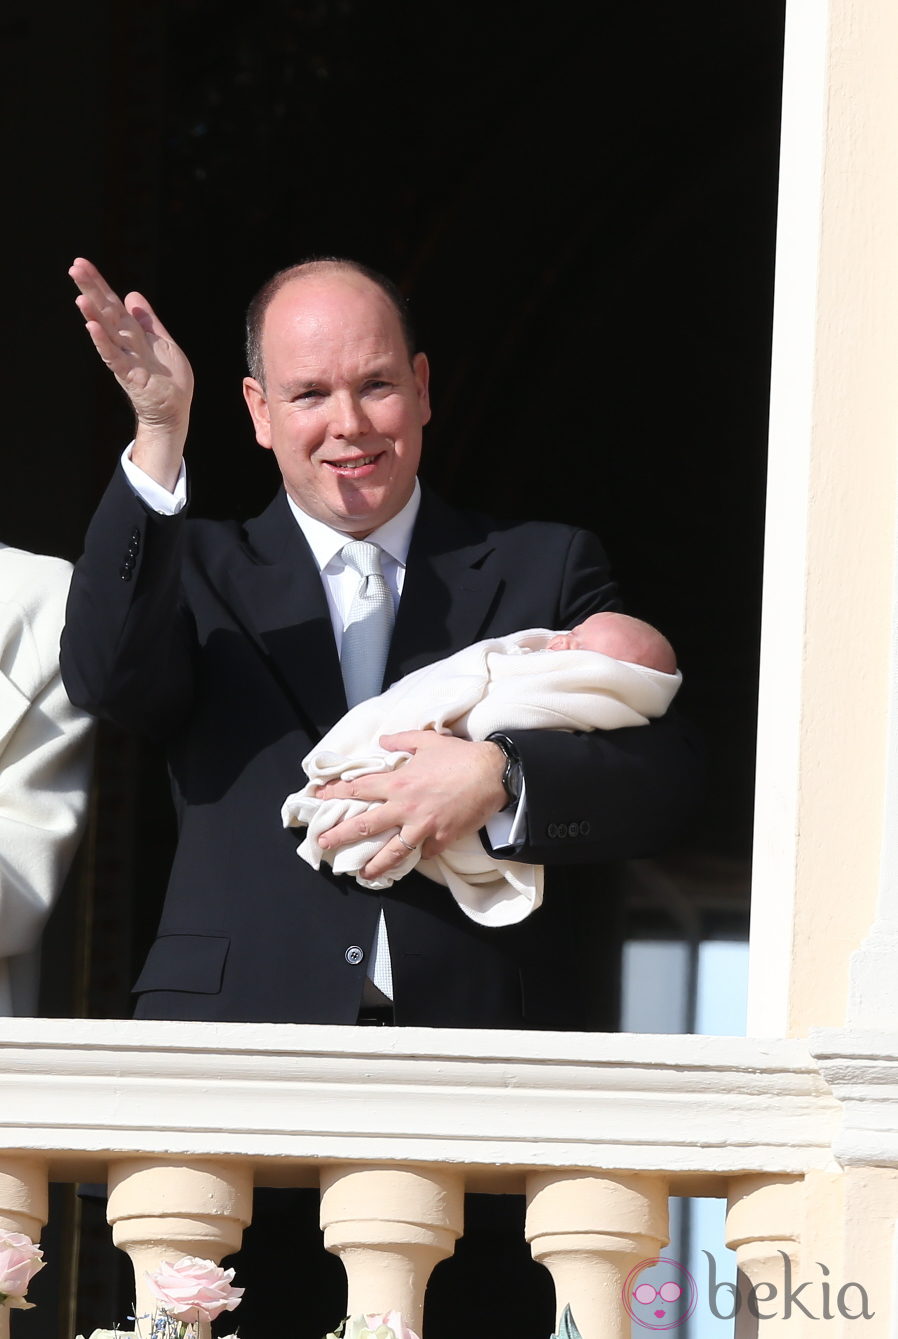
(363, 655)
(369, 626)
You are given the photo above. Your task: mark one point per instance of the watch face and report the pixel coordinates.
(513, 782)
(512, 776)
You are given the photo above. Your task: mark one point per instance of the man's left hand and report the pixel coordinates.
(447, 789)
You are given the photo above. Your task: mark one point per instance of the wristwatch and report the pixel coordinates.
(513, 776)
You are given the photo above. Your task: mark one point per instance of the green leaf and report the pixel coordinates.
(567, 1329)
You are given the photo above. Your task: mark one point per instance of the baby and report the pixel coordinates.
(609, 671)
(620, 636)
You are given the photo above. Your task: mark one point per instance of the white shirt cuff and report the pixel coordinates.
(507, 829)
(153, 494)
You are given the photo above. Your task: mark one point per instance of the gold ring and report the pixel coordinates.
(405, 843)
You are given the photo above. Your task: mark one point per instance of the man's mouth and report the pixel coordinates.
(351, 466)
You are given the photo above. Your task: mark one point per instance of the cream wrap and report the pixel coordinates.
(504, 683)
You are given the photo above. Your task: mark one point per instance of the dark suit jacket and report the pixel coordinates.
(215, 638)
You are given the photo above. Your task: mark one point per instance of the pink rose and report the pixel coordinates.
(194, 1289)
(20, 1260)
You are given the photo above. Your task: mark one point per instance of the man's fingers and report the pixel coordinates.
(395, 852)
(407, 741)
(108, 351)
(116, 323)
(376, 821)
(141, 311)
(124, 323)
(118, 349)
(91, 310)
(367, 787)
(93, 286)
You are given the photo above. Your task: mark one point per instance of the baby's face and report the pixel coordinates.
(586, 636)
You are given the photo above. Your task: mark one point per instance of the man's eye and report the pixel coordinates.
(377, 385)
(308, 395)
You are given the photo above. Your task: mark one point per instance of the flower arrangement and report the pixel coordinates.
(388, 1325)
(20, 1260)
(189, 1290)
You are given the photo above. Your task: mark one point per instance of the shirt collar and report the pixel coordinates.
(394, 536)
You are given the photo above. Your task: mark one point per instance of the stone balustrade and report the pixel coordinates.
(182, 1119)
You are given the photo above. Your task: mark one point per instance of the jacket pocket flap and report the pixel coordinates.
(185, 962)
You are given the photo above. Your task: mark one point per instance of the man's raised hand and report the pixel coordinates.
(148, 365)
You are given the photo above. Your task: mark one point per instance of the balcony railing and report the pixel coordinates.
(182, 1119)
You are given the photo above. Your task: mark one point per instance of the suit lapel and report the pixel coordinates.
(274, 590)
(277, 595)
(449, 589)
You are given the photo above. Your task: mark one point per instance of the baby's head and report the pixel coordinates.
(623, 638)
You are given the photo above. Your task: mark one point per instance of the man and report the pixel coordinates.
(223, 641)
(45, 758)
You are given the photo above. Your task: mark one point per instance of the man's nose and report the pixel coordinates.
(349, 419)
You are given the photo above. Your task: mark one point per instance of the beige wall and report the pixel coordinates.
(830, 555)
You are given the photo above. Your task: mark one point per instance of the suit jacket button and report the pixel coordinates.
(573, 830)
(135, 536)
(584, 828)
(125, 573)
(552, 831)
(354, 955)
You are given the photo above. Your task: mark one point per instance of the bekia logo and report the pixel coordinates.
(660, 1294)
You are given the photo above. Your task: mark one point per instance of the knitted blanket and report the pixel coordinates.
(503, 683)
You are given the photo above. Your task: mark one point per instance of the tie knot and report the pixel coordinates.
(362, 557)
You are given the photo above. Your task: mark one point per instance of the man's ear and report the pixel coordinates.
(421, 369)
(257, 404)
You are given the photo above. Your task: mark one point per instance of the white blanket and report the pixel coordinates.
(505, 683)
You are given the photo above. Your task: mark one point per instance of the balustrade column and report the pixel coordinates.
(390, 1226)
(590, 1231)
(763, 1227)
(163, 1211)
(23, 1206)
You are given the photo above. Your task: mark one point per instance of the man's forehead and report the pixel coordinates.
(333, 284)
(325, 302)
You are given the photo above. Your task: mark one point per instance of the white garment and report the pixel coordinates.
(504, 683)
(44, 765)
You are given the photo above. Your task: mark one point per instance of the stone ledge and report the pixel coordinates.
(80, 1090)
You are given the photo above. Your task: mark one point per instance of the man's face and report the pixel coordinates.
(342, 407)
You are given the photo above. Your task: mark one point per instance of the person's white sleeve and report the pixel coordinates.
(44, 781)
(507, 829)
(45, 756)
(153, 494)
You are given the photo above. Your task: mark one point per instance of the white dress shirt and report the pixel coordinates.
(340, 585)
